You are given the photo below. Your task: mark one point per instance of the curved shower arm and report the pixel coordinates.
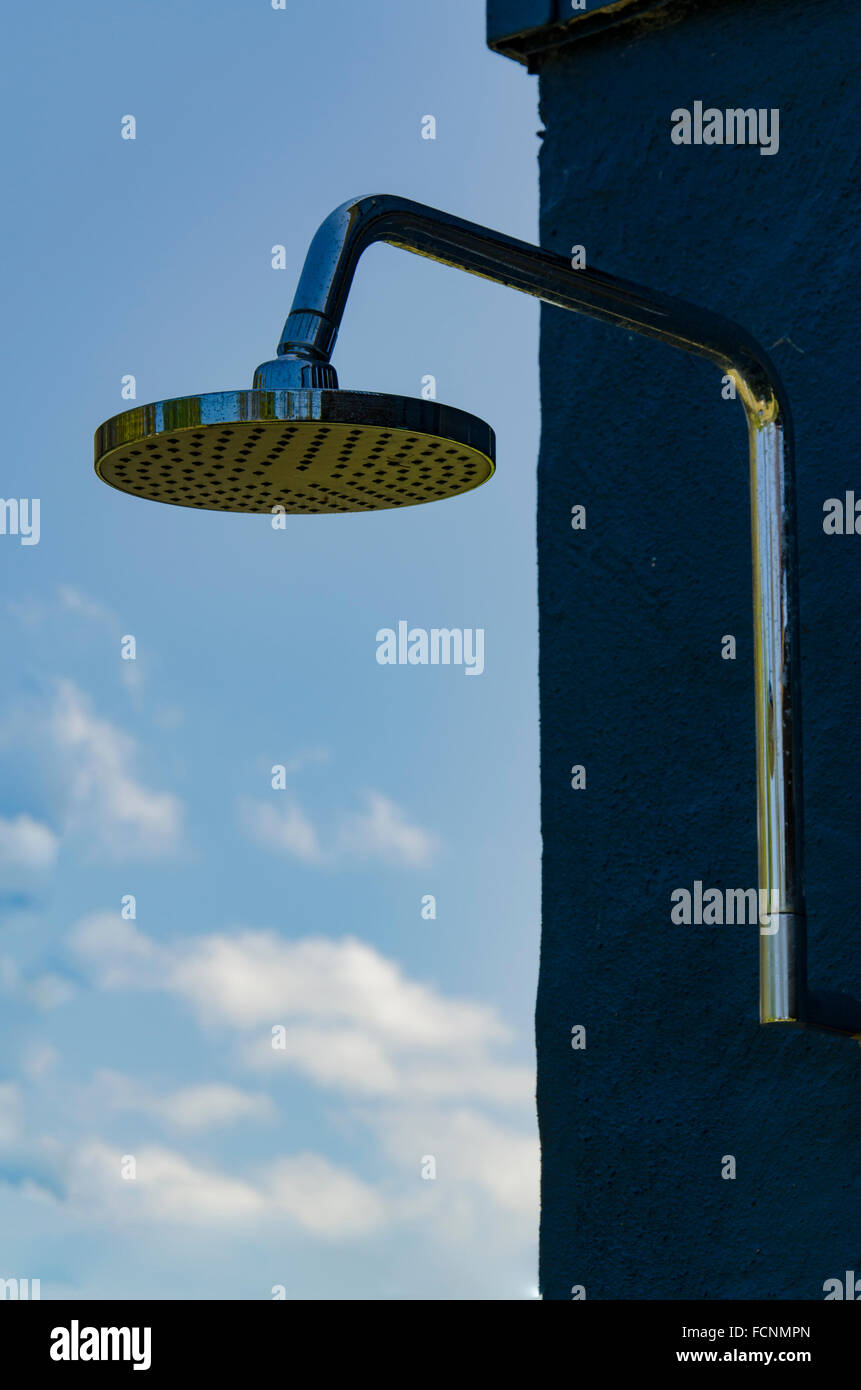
(318, 305)
(306, 346)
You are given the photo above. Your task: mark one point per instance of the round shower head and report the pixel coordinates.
(301, 450)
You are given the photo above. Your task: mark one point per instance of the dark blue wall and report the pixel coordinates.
(677, 1071)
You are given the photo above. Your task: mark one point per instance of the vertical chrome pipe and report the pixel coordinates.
(782, 943)
(303, 360)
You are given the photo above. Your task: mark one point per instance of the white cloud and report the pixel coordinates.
(44, 992)
(354, 1060)
(211, 1106)
(259, 978)
(26, 844)
(324, 1199)
(191, 1108)
(352, 1019)
(282, 827)
(305, 1191)
(307, 757)
(347, 1058)
(469, 1148)
(39, 1059)
(380, 832)
(49, 991)
(417, 1068)
(117, 952)
(166, 1187)
(73, 601)
(256, 977)
(124, 818)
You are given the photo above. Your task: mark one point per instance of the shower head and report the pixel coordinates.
(294, 441)
(301, 451)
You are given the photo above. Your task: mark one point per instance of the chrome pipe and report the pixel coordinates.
(321, 295)
(782, 944)
(303, 360)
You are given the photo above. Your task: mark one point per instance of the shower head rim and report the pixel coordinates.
(321, 407)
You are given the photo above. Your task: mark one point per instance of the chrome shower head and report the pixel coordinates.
(301, 450)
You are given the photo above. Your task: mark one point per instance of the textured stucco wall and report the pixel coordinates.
(677, 1072)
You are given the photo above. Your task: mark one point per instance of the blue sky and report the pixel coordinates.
(258, 908)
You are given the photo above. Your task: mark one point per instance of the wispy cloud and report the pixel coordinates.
(470, 1149)
(257, 979)
(26, 845)
(380, 832)
(96, 1181)
(119, 815)
(73, 601)
(192, 1109)
(281, 827)
(42, 990)
(305, 1191)
(420, 1070)
(87, 765)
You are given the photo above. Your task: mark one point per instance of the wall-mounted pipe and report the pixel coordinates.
(303, 360)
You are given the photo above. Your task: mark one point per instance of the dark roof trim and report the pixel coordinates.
(526, 29)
